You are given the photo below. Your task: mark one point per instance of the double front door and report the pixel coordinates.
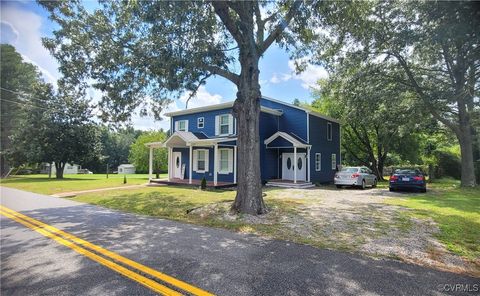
(289, 163)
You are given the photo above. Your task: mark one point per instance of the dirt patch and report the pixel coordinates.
(348, 219)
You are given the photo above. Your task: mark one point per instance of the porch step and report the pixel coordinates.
(290, 184)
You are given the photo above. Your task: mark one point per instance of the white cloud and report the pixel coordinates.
(27, 26)
(202, 98)
(310, 76)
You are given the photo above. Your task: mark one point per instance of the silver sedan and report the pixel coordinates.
(355, 176)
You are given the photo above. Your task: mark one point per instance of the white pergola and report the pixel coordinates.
(181, 139)
(295, 144)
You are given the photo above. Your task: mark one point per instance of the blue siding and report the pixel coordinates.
(209, 121)
(320, 144)
(293, 120)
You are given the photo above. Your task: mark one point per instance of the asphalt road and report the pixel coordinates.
(216, 260)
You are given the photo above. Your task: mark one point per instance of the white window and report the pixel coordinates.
(225, 165)
(200, 160)
(181, 126)
(318, 162)
(329, 131)
(334, 161)
(223, 124)
(200, 122)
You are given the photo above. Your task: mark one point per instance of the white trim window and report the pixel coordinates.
(223, 124)
(318, 162)
(225, 161)
(200, 160)
(334, 161)
(329, 131)
(201, 122)
(181, 125)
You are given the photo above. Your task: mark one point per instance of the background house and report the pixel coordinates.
(70, 169)
(126, 169)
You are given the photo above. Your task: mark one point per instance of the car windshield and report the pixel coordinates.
(406, 171)
(349, 170)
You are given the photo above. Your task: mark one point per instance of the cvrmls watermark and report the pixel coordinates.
(457, 287)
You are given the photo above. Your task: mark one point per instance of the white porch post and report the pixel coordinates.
(150, 164)
(215, 153)
(295, 164)
(169, 162)
(235, 164)
(308, 163)
(190, 166)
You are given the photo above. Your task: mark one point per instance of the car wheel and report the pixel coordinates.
(423, 190)
(339, 186)
(374, 183)
(391, 189)
(363, 184)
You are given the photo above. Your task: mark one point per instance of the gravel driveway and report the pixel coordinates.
(361, 221)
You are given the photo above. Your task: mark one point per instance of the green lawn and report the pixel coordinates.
(43, 184)
(456, 211)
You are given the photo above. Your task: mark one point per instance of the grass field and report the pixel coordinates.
(456, 211)
(43, 184)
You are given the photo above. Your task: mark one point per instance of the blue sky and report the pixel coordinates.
(24, 23)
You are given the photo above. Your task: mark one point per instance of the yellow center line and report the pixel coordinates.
(145, 269)
(122, 270)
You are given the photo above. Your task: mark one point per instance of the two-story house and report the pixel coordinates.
(298, 146)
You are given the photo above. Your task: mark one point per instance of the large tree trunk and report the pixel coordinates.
(59, 170)
(247, 112)
(466, 148)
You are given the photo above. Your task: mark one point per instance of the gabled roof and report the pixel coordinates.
(181, 138)
(218, 107)
(295, 140)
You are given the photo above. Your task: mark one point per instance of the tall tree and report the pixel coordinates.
(17, 77)
(157, 49)
(54, 127)
(434, 43)
(377, 112)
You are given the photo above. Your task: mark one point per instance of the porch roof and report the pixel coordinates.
(293, 139)
(181, 138)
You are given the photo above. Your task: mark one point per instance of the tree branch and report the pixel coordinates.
(222, 10)
(264, 45)
(194, 92)
(235, 78)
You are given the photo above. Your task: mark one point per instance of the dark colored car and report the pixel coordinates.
(407, 179)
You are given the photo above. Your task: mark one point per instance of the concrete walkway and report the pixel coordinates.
(75, 193)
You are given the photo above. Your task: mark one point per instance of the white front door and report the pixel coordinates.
(177, 165)
(288, 164)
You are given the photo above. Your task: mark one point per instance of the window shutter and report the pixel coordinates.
(186, 125)
(195, 157)
(206, 160)
(217, 125)
(230, 124)
(176, 125)
(230, 160)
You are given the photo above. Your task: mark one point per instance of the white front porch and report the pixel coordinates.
(184, 172)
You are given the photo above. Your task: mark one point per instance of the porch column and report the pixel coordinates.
(215, 155)
(235, 164)
(169, 162)
(308, 163)
(150, 164)
(295, 164)
(190, 166)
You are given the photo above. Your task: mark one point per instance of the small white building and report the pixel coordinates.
(126, 169)
(70, 169)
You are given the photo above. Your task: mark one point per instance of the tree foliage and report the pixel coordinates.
(54, 127)
(139, 153)
(17, 77)
(434, 44)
